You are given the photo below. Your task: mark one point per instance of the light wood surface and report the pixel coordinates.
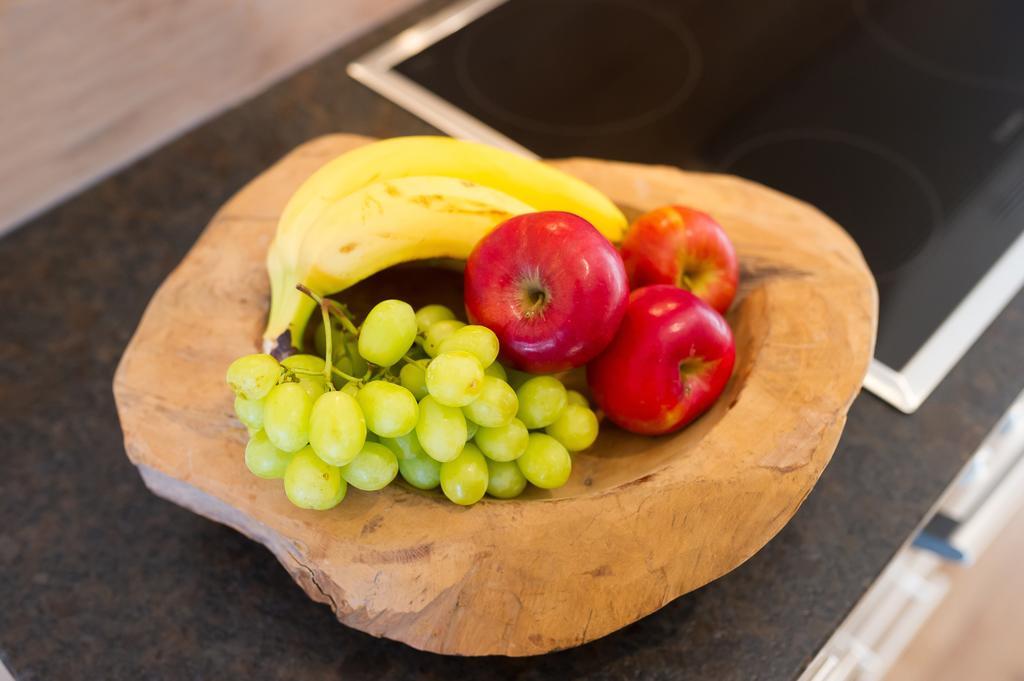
(975, 633)
(641, 521)
(88, 85)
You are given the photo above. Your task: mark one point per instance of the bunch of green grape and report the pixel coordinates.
(416, 394)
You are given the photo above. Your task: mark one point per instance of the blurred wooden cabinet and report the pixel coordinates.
(88, 85)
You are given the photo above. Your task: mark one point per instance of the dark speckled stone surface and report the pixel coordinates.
(101, 580)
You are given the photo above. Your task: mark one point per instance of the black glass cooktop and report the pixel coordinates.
(903, 120)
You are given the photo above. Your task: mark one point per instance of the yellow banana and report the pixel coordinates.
(530, 181)
(380, 225)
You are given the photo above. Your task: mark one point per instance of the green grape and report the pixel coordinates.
(358, 366)
(315, 386)
(404, 446)
(414, 378)
(374, 467)
(337, 340)
(496, 405)
(471, 429)
(310, 482)
(252, 376)
(541, 400)
(286, 416)
(343, 364)
(516, 378)
(455, 378)
(575, 427)
(387, 332)
(263, 459)
(441, 430)
(576, 397)
(437, 332)
(497, 371)
(337, 428)
(390, 409)
(304, 362)
(428, 315)
(420, 471)
(505, 480)
(350, 388)
(474, 339)
(464, 478)
(545, 463)
(504, 443)
(249, 412)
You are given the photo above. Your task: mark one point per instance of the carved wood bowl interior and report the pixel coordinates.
(641, 521)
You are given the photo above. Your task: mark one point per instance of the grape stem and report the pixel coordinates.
(382, 373)
(328, 350)
(305, 289)
(353, 356)
(348, 377)
(328, 336)
(339, 311)
(335, 370)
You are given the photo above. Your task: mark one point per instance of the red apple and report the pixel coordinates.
(683, 247)
(669, 362)
(550, 286)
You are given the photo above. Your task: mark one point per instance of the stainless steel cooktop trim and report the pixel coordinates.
(905, 389)
(375, 70)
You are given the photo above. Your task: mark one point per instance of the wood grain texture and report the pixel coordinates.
(88, 85)
(641, 521)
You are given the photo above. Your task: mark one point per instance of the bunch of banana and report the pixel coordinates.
(407, 198)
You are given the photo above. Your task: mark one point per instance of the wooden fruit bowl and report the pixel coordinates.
(642, 520)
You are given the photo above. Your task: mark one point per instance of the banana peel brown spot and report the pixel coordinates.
(370, 203)
(349, 247)
(399, 235)
(448, 204)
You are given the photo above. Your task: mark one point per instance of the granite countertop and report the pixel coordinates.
(99, 579)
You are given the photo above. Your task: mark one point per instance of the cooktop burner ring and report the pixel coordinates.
(684, 38)
(885, 252)
(917, 59)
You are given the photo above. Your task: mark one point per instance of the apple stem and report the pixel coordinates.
(537, 300)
